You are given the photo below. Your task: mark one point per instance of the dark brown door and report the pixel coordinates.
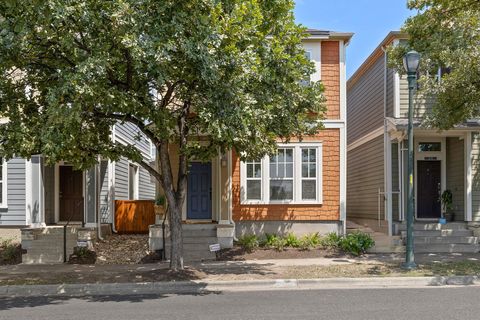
(428, 189)
(71, 194)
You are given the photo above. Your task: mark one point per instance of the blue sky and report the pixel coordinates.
(370, 20)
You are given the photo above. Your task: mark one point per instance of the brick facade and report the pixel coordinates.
(329, 210)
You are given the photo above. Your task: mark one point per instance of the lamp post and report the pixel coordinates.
(410, 61)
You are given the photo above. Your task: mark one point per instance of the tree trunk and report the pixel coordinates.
(176, 237)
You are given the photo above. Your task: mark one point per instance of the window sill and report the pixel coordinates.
(292, 203)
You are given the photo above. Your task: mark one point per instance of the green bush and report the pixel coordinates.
(310, 241)
(357, 243)
(331, 241)
(269, 240)
(292, 241)
(8, 250)
(279, 244)
(249, 242)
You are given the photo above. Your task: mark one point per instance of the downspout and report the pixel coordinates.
(97, 198)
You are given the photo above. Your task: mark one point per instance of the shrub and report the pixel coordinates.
(279, 243)
(249, 242)
(331, 241)
(269, 241)
(309, 241)
(291, 240)
(8, 250)
(357, 243)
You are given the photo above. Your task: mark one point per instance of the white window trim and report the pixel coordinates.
(3, 189)
(136, 195)
(297, 180)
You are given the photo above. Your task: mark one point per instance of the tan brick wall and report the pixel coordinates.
(331, 77)
(330, 208)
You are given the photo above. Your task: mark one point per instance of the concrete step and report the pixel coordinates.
(434, 226)
(41, 259)
(440, 233)
(446, 240)
(386, 249)
(199, 233)
(209, 240)
(451, 248)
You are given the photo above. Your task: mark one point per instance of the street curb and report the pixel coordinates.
(198, 287)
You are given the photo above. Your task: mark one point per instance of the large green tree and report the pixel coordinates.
(447, 34)
(230, 70)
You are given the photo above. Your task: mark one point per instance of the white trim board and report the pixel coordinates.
(366, 138)
(4, 189)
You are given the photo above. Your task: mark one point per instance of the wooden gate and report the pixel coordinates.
(134, 216)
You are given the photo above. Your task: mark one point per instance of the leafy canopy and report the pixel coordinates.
(226, 69)
(447, 34)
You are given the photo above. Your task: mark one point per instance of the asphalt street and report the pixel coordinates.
(429, 303)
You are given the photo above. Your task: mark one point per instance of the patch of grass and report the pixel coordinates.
(459, 268)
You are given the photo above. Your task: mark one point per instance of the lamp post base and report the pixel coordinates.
(409, 265)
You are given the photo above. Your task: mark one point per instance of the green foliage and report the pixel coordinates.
(357, 243)
(309, 241)
(291, 240)
(447, 35)
(249, 242)
(160, 201)
(269, 240)
(447, 200)
(331, 240)
(8, 250)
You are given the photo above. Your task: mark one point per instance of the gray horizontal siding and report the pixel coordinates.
(365, 173)
(104, 193)
(146, 186)
(365, 102)
(421, 105)
(132, 135)
(476, 176)
(121, 179)
(456, 175)
(15, 213)
(390, 93)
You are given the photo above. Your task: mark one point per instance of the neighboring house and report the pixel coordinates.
(377, 111)
(38, 196)
(301, 190)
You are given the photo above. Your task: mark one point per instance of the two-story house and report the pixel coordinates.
(377, 160)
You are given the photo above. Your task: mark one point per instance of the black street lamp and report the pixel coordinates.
(410, 61)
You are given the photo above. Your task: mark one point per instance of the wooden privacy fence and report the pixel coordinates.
(134, 216)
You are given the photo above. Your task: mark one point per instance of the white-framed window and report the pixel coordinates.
(133, 181)
(3, 183)
(293, 175)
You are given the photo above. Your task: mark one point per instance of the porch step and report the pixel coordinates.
(434, 226)
(439, 233)
(201, 240)
(451, 248)
(446, 240)
(196, 241)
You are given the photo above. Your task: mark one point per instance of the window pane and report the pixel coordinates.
(289, 170)
(289, 155)
(304, 155)
(258, 171)
(313, 155)
(281, 190)
(281, 155)
(281, 170)
(309, 190)
(254, 190)
(313, 170)
(249, 170)
(429, 146)
(273, 170)
(305, 170)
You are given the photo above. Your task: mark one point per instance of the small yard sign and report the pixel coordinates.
(214, 247)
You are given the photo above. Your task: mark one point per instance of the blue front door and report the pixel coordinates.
(199, 192)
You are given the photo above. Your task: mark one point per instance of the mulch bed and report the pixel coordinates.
(124, 249)
(238, 253)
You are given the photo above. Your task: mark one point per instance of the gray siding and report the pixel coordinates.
(146, 186)
(121, 179)
(364, 178)
(14, 215)
(104, 194)
(365, 102)
(456, 175)
(130, 134)
(421, 105)
(390, 93)
(476, 176)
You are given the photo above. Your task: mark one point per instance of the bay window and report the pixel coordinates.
(292, 175)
